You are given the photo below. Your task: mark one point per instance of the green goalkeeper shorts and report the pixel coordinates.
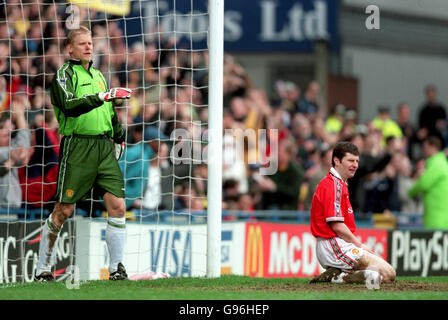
(86, 162)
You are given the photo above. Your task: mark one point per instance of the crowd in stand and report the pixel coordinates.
(169, 93)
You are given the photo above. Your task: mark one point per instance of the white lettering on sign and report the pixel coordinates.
(283, 254)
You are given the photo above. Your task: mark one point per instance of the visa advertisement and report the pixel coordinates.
(179, 250)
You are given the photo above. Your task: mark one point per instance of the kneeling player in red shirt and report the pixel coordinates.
(344, 257)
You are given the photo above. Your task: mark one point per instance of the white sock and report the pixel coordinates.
(373, 279)
(358, 276)
(49, 237)
(339, 278)
(115, 239)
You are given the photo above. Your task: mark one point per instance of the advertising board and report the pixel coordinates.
(174, 249)
(419, 253)
(19, 250)
(289, 250)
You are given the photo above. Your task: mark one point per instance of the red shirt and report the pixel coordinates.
(331, 203)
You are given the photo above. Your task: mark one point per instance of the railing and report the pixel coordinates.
(398, 220)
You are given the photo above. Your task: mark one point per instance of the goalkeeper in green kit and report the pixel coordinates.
(92, 143)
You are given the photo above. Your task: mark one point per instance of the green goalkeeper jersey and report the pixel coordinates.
(78, 108)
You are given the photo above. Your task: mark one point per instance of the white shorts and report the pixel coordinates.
(335, 252)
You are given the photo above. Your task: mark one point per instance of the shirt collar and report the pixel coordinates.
(78, 62)
(336, 174)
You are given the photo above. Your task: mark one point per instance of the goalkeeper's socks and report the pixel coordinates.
(115, 239)
(49, 236)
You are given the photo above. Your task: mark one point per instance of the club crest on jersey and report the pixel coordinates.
(101, 85)
(355, 251)
(69, 193)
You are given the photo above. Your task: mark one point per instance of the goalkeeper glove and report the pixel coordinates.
(119, 147)
(115, 93)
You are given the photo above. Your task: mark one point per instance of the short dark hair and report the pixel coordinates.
(434, 141)
(3, 120)
(430, 86)
(341, 148)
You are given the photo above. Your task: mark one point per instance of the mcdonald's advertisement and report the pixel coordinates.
(288, 250)
(280, 250)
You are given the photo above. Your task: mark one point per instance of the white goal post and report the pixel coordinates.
(215, 105)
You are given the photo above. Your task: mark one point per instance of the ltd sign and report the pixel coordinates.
(257, 25)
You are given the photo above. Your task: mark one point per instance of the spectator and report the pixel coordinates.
(167, 178)
(13, 154)
(370, 162)
(38, 179)
(234, 167)
(34, 39)
(134, 165)
(236, 81)
(239, 109)
(230, 194)
(433, 184)
(432, 116)
(37, 105)
(335, 121)
(302, 133)
(409, 133)
(152, 195)
(402, 165)
(320, 134)
(382, 185)
(288, 96)
(4, 94)
(149, 113)
(196, 202)
(246, 202)
(159, 189)
(186, 198)
(308, 104)
(318, 173)
(281, 190)
(135, 133)
(171, 91)
(388, 127)
(350, 119)
(200, 179)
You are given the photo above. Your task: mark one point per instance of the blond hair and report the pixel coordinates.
(75, 32)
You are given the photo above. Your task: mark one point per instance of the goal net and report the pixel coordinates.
(157, 48)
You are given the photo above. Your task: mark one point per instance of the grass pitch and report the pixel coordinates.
(229, 287)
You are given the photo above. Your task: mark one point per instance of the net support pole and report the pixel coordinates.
(214, 156)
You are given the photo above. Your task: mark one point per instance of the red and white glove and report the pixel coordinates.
(119, 147)
(115, 93)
